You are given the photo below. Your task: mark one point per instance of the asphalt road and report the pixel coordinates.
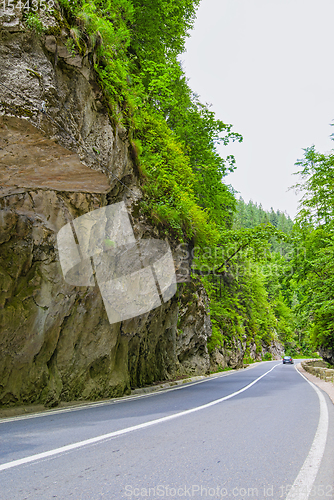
(251, 445)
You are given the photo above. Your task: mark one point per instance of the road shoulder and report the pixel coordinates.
(327, 387)
(39, 409)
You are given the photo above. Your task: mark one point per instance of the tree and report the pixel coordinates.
(314, 245)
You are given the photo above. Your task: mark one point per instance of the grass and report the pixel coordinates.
(221, 369)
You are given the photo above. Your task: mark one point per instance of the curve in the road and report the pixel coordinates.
(86, 442)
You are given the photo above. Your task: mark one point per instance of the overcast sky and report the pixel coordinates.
(266, 66)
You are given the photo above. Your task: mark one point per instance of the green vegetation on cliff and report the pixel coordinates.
(174, 137)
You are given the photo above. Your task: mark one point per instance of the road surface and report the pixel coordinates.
(245, 434)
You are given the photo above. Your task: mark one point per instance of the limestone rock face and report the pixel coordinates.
(231, 355)
(78, 118)
(327, 354)
(56, 342)
(194, 328)
(228, 356)
(275, 349)
(30, 161)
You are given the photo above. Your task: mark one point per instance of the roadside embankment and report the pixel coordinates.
(320, 369)
(318, 373)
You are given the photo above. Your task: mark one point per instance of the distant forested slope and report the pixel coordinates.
(251, 214)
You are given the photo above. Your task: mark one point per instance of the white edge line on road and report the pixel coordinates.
(103, 437)
(302, 487)
(122, 399)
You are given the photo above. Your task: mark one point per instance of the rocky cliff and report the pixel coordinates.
(56, 342)
(63, 153)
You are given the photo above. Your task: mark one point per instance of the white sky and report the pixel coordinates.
(266, 66)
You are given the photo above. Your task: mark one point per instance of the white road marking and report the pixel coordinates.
(103, 437)
(122, 399)
(302, 487)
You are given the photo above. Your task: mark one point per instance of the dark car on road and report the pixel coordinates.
(287, 359)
